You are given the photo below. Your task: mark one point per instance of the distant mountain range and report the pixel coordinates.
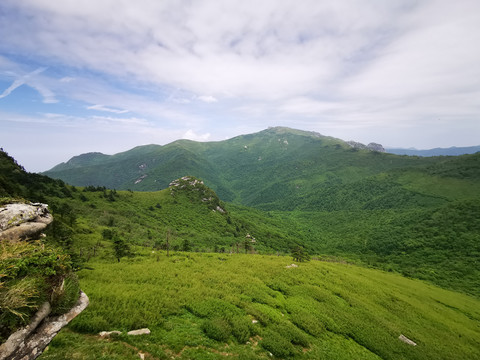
(451, 151)
(275, 169)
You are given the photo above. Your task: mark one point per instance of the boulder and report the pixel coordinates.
(23, 221)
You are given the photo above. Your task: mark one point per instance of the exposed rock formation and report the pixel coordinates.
(371, 146)
(29, 342)
(22, 221)
(375, 147)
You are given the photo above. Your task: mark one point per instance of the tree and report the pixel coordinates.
(120, 247)
(167, 241)
(186, 246)
(299, 254)
(247, 245)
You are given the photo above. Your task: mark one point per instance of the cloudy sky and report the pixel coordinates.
(108, 75)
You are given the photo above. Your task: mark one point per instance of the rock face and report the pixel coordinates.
(375, 147)
(29, 342)
(23, 221)
(371, 146)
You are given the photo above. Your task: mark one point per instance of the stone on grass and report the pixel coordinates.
(143, 331)
(407, 340)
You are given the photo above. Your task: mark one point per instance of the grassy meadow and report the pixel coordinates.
(212, 306)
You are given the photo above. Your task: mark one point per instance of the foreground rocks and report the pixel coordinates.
(18, 222)
(30, 341)
(144, 331)
(23, 221)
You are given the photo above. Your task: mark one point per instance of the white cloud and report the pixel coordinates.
(191, 135)
(107, 109)
(207, 98)
(357, 66)
(67, 79)
(30, 79)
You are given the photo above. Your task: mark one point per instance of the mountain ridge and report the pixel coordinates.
(450, 151)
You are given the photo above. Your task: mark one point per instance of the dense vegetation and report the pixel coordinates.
(35, 271)
(209, 306)
(311, 195)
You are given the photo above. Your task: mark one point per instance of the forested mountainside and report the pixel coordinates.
(278, 168)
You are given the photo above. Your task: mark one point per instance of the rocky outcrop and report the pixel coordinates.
(29, 342)
(372, 146)
(375, 147)
(23, 221)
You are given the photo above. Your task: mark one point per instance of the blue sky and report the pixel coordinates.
(108, 75)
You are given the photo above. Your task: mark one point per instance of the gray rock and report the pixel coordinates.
(22, 221)
(372, 146)
(29, 342)
(108, 333)
(143, 331)
(375, 147)
(407, 340)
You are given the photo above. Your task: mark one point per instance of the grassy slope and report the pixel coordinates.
(201, 306)
(432, 233)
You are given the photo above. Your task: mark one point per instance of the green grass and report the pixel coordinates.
(201, 306)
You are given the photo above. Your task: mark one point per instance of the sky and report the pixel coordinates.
(109, 75)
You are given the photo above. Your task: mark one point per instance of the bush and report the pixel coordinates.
(217, 329)
(66, 295)
(31, 273)
(240, 328)
(277, 345)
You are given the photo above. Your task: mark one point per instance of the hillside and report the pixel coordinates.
(212, 306)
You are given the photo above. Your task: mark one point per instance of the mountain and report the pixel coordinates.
(249, 169)
(275, 169)
(415, 215)
(451, 151)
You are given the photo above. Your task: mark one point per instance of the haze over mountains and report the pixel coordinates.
(451, 151)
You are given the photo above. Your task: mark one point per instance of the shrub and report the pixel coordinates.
(30, 273)
(277, 345)
(240, 328)
(66, 295)
(217, 329)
